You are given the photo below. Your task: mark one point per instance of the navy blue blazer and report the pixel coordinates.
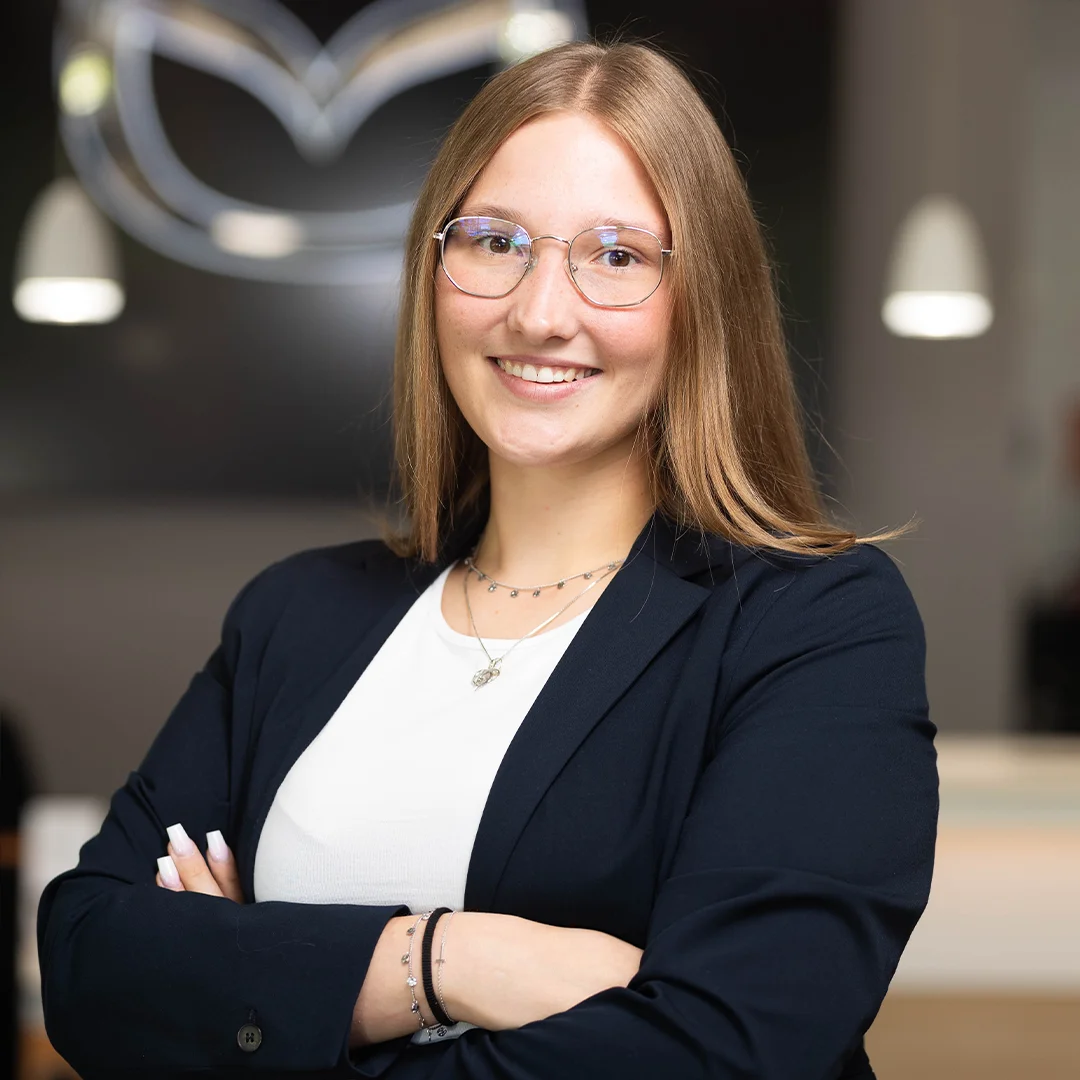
(732, 767)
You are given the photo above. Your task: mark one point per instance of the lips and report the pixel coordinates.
(534, 370)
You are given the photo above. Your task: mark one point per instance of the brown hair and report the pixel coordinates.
(725, 441)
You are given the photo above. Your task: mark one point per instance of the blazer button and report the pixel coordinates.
(249, 1037)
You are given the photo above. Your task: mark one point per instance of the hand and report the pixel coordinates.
(503, 971)
(186, 870)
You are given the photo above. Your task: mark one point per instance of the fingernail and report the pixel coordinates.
(215, 844)
(167, 870)
(180, 840)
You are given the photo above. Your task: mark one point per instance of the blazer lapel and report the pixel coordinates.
(646, 603)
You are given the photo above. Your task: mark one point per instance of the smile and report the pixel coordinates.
(545, 374)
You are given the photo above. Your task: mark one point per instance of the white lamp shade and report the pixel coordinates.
(938, 284)
(68, 265)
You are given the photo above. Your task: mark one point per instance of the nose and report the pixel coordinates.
(544, 303)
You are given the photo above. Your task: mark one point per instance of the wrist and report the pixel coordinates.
(455, 974)
(477, 948)
(412, 972)
(432, 960)
(383, 1007)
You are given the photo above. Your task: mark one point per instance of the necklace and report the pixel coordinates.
(486, 674)
(472, 568)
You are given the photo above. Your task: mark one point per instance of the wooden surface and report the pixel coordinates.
(976, 1037)
(38, 1060)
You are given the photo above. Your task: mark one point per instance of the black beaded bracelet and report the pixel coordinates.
(425, 967)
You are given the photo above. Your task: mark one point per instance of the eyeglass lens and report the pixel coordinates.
(612, 265)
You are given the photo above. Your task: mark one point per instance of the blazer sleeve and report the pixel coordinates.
(138, 981)
(803, 864)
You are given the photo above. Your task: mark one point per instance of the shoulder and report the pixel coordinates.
(751, 588)
(780, 606)
(864, 574)
(322, 579)
(863, 579)
(758, 580)
(844, 626)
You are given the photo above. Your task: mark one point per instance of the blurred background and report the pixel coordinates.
(201, 212)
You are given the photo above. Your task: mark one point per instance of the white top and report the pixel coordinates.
(384, 804)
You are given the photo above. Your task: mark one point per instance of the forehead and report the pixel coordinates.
(564, 172)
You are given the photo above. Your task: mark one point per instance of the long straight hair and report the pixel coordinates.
(725, 440)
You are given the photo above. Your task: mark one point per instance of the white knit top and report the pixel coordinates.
(384, 804)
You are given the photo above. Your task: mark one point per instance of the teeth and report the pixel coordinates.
(544, 374)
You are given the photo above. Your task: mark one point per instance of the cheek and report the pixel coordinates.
(461, 325)
(460, 332)
(637, 348)
(448, 324)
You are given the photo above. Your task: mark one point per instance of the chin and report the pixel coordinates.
(539, 454)
(541, 457)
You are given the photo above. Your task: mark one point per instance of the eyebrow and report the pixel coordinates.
(508, 213)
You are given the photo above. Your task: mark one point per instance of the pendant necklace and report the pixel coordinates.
(492, 671)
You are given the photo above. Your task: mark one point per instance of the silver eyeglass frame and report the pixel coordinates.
(665, 254)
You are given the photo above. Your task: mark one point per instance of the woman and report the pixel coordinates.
(620, 698)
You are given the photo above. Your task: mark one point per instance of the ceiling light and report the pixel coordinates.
(256, 234)
(530, 32)
(938, 282)
(67, 268)
(85, 82)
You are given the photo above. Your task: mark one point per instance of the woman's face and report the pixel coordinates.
(560, 173)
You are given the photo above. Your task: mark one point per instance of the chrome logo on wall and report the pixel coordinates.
(321, 93)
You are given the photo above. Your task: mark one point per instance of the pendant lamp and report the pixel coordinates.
(67, 269)
(938, 284)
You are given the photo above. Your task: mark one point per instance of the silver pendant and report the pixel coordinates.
(485, 675)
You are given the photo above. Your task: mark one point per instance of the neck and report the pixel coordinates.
(552, 521)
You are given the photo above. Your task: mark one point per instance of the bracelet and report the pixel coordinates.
(425, 967)
(441, 961)
(411, 980)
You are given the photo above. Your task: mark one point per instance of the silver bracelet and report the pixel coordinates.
(442, 946)
(411, 980)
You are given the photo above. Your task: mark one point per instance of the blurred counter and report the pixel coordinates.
(1004, 909)
(989, 985)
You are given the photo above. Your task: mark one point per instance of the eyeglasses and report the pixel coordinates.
(612, 266)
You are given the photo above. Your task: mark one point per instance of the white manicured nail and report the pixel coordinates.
(180, 840)
(167, 870)
(215, 844)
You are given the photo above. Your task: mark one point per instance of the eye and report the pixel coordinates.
(496, 243)
(618, 259)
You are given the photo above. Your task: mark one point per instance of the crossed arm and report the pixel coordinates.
(502, 971)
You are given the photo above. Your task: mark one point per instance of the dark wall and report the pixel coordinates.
(767, 68)
(213, 385)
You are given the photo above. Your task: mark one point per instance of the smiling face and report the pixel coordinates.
(558, 174)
